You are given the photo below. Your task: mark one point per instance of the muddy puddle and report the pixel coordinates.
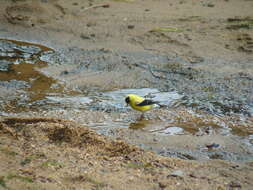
(170, 130)
(20, 78)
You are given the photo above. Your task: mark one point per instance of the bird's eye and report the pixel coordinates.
(127, 100)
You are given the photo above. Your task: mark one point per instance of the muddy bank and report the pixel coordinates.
(72, 156)
(221, 92)
(205, 56)
(95, 71)
(83, 57)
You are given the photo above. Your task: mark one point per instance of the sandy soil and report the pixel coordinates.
(44, 153)
(203, 27)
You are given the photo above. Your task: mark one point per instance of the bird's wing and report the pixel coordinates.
(146, 103)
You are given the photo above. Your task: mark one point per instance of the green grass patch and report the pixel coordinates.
(166, 29)
(26, 161)
(173, 66)
(98, 185)
(2, 182)
(238, 23)
(32, 157)
(127, 1)
(191, 18)
(208, 89)
(20, 177)
(8, 152)
(139, 165)
(50, 163)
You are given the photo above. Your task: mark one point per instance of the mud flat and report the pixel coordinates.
(76, 61)
(93, 92)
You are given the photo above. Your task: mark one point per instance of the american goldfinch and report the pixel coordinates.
(139, 103)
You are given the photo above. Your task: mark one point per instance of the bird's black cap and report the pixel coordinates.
(127, 100)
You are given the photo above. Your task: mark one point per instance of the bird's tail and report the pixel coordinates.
(161, 105)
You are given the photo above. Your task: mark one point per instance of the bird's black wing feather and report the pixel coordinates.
(147, 102)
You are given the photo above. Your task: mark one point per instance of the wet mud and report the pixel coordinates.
(19, 73)
(78, 60)
(43, 92)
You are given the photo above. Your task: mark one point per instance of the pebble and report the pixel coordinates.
(213, 145)
(210, 5)
(235, 184)
(177, 173)
(130, 26)
(162, 185)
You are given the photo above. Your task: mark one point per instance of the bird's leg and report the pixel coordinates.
(142, 116)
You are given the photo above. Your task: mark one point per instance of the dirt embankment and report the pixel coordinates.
(200, 48)
(193, 30)
(44, 153)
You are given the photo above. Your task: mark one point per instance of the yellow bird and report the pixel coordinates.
(139, 103)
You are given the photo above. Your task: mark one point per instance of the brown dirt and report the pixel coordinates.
(41, 153)
(203, 30)
(45, 153)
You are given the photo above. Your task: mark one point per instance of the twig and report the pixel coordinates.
(105, 5)
(154, 75)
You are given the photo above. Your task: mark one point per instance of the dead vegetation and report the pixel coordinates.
(62, 132)
(47, 153)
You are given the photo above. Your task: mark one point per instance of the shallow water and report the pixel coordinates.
(165, 130)
(19, 64)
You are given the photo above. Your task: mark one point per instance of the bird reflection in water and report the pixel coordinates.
(140, 124)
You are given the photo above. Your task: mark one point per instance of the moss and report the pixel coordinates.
(26, 161)
(20, 177)
(87, 178)
(238, 23)
(2, 182)
(8, 152)
(53, 163)
(139, 165)
(191, 18)
(173, 66)
(166, 29)
(208, 89)
(98, 185)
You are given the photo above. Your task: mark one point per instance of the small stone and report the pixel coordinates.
(236, 166)
(64, 72)
(131, 178)
(106, 6)
(91, 23)
(130, 26)
(196, 59)
(162, 185)
(85, 37)
(177, 173)
(192, 175)
(155, 139)
(235, 184)
(210, 5)
(213, 145)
